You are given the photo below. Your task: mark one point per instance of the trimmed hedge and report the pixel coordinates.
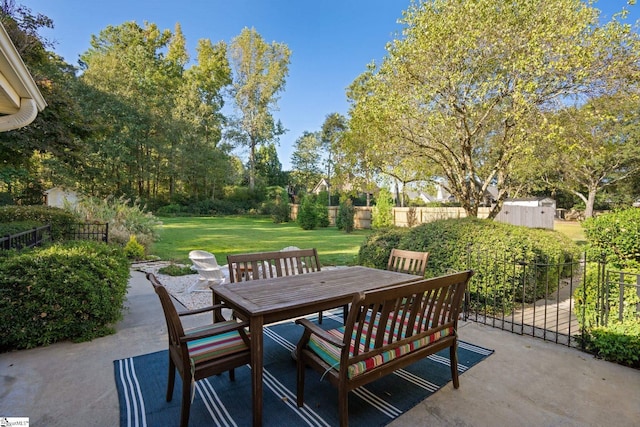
(73, 290)
(615, 236)
(492, 246)
(615, 239)
(617, 342)
(60, 219)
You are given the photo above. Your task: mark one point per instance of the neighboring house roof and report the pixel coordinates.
(20, 98)
(321, 186)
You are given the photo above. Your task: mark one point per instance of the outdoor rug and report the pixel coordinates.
(142, 382)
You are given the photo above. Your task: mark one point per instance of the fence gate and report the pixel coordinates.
(552, 301)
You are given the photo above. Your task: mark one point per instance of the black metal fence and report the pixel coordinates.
(88, 231)
(27, 239)
(41, 235)
(553, 301)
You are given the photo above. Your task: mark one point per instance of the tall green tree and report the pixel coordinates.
(461, 100)
(260, 71)
(57, 131)
(126, 62)
(162, 127)
(306, 161)
(333, 129)
(593, 146)
(268, 166)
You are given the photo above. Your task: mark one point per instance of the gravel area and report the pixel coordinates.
(179, 285)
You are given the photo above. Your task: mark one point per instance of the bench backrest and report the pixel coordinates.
(261, 265)
(401, 315)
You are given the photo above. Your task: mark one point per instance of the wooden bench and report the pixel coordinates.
(414, 320)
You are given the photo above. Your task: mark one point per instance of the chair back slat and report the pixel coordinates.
(264, 265)
(410, 262)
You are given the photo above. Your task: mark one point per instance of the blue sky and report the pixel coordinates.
(331, 41)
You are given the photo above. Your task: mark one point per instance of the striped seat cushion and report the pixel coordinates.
(331, 354)
(216, 346)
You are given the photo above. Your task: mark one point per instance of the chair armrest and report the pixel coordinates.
(317, 330)
(237, 326)
(202, 310)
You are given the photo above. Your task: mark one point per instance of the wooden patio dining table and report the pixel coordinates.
(271, 300)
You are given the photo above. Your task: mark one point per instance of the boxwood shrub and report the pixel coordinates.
(498, 253)
(67, 291)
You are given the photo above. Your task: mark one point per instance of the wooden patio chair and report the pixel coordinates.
(203, 351)
(410, 262)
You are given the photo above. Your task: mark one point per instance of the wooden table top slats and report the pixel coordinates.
(317, 290)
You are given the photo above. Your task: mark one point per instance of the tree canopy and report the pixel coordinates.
(260, 71)
(462, 101)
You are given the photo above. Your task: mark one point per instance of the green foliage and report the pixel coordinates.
(73, 290)
(376, 249)
(458, 244)
(614, 240)
(322, 209)
(125, 219)
(615, 236)
(17, 227)
(60, 220)
(345, 217)
(278, 205)
(176, 270)
(597, 293)
(260, 69)
(479, 91)
(619, 342)
(134, 250)
(307, 214)
(382, 215)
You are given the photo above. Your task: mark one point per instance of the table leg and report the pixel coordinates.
(255, 327)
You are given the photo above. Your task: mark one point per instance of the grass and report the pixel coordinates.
(239, 234)
(571, 229)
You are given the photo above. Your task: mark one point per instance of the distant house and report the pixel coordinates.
(321, 186)
(57, 196)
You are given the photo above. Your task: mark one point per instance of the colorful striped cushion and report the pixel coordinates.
(216, 346)
(331, 354)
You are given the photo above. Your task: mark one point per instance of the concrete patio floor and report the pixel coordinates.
(526, 382)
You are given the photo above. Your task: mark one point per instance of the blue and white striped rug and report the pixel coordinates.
(142, 382)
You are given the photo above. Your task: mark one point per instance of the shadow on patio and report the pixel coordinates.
(526, 382)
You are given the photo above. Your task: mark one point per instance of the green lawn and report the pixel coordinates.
(572, 229)
(238, 234)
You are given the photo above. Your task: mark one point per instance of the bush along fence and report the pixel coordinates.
(41, 235)
(580, 303)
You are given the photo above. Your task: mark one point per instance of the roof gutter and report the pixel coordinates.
(25, 115)
(18, 86)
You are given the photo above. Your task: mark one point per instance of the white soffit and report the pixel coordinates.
(20, 98)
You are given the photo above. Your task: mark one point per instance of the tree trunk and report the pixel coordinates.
(591, 200)
(252, 168)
